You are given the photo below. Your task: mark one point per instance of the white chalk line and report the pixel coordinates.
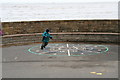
(68, 50)
(75, 47)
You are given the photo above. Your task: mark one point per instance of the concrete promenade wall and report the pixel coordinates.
(29, 27)
(61, 37)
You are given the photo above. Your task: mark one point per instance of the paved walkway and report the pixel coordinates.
(19, 63)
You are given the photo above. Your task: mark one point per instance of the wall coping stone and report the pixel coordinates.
(72, 33)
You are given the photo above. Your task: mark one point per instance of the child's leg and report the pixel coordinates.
(46, 43)
(43, 45)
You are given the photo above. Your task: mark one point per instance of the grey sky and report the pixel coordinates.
(53, 1)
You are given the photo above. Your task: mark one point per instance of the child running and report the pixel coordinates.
(45, 40)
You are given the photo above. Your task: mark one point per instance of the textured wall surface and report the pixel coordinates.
(61, 37)
(29, 27)
(62, 31)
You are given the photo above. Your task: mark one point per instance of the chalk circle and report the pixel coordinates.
(62, 49)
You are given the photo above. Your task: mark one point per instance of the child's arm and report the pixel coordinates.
(50, 37)
(44, 35)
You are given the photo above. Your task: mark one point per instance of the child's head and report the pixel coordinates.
(47, 30)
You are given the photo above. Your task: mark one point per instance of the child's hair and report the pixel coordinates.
(47, 30)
